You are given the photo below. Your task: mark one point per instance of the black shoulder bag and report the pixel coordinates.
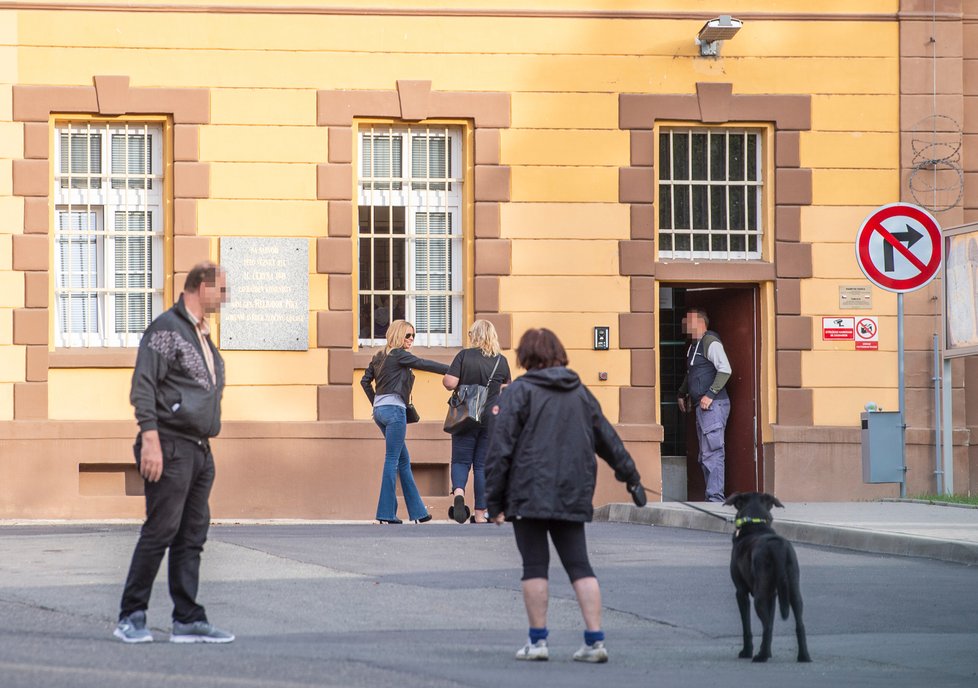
(467, 405)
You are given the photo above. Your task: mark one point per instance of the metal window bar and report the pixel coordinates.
(126, 225)
(751, 197)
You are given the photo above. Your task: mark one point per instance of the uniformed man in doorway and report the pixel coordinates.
(707, 372)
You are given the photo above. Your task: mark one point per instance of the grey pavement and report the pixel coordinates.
(907, 528)
(439, 605)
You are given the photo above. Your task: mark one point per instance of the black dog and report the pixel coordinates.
(763, 564)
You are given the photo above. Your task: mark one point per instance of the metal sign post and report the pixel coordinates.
(899, 248)
(902, 395)
(946, 430)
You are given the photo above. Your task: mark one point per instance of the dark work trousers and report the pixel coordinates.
(177, 517)
(711, 424)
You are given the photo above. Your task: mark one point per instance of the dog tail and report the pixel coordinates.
(781, 576)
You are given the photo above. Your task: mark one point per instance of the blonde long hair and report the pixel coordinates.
(482, 336)
(396, 334)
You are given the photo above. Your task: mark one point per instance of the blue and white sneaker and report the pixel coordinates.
(132, 629)
(199, 632)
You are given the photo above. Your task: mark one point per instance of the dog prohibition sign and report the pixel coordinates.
(764, 566)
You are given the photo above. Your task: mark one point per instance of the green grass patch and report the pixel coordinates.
(947, 499)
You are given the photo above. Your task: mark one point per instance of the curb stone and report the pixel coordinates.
(842, 537)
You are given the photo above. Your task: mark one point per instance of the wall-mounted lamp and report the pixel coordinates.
(723, 28)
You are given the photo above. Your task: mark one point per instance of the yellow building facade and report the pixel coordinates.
(571, 151)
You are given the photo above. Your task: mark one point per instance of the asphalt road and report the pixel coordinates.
(439, 605)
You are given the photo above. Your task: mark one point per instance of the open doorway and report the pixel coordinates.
(733, 310)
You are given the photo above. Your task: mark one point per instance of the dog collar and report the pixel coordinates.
(741, 522)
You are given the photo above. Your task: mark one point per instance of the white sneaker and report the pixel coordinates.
(596, 654)
(534, 651)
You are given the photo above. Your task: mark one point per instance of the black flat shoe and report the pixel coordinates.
(392, 521)
(459, 511)
(423, 519)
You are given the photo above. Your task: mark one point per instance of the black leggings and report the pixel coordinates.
(568, 539)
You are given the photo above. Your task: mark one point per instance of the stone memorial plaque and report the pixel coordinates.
(268, 285)
(855, 297)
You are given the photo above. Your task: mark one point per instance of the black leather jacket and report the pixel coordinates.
(391, 373)
(541, 462)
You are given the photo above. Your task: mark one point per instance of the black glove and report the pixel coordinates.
(638, 494)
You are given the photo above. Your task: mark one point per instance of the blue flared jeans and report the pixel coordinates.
(392, 421)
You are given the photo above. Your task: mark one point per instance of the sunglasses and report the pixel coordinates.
(409, 336)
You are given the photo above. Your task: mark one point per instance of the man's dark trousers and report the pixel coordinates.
(177, 517)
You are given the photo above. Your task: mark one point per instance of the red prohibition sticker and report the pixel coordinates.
(898, 247)
(867, 333)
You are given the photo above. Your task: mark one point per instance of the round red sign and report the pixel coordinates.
(898, 247)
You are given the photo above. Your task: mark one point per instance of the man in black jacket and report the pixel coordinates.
(176, 391)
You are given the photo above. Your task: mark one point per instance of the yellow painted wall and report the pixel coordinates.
(269, 403)
(565, 221)
(564, 148)
(276, 367)
(89, 394)
(6, 401)
(12, 359)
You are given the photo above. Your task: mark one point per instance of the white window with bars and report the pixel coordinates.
(710, 194)
(409, 196)
(108, 232)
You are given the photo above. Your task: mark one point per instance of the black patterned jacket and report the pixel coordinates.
(172, 390)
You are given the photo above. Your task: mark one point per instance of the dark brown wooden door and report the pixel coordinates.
(733, 313)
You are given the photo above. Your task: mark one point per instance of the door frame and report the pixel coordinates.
(760, 361)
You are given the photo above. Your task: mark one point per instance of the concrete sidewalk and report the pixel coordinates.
(946, 533)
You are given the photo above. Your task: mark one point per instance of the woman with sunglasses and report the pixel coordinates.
(388, 382)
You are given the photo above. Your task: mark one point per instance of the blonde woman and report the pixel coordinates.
(388, 381)
(480, 364)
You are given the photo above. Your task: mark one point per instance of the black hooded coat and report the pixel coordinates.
(540, 462)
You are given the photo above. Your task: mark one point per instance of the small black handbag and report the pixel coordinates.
(467, 405)
(411, 413)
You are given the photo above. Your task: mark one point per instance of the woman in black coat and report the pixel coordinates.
(541, 476)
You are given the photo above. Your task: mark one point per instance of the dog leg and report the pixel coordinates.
(803, 655)
(743, 603)
(765, 611)
(797, 608)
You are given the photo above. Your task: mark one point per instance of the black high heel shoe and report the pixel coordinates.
(423, 519)
(392, 521)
